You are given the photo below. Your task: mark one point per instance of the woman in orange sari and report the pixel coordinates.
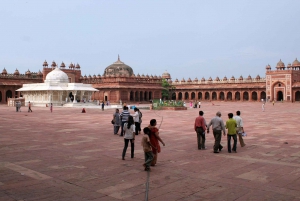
(154, 138)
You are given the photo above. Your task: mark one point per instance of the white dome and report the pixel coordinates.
(57, 76)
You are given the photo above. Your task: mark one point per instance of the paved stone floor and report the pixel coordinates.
(69, 155)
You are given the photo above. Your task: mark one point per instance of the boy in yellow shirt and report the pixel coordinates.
(231, 126)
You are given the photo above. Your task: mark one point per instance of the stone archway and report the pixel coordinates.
(173, 96)
(237, 96)
(297, 96)
(141, 96)
(229, 96)
(254, 96)
(193, 96)
(214, 96)
(222, 96)
(280, 96)
(179, 96)
(199, 95)
(0, 96)
(8, 94)
(186, 95)
(263, 95)
(206, 96)
(150, 95)
(131, 96)
(245, 96)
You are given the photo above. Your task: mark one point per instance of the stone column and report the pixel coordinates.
(250, 96)
(74, 94)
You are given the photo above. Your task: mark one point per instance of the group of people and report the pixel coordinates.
(234, 126)
(131, 127)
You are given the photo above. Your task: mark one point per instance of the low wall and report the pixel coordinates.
(173, 108)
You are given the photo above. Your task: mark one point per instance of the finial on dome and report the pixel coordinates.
(118, 57)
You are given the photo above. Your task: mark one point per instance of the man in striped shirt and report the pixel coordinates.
(124, 118)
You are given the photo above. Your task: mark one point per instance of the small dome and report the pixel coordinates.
(176, 80)
(90, 77)
(217, 79)
(45, 64)
(118, 67)
(53, 65)
(268, 67)
(16, 72)
(232, 78)
(189, 80)
(98, 76)
(57, 76)
(71, 65)
(203, 79)
(166, 75)
(249, 77)
(143, 76)
(138, 75)
(155, 76)
(62, 65)
(289, 65)
(85, 77)
(28, 72)
(280, 64)
(225, 78)
(209, 79)
(241, 78)
(77, 66)
(183, 80)
(151, 76)
(296, 63)
(94, 76)
(196, 80)
(4, 72)
(257, 77)
(147, 76)
(159, 77)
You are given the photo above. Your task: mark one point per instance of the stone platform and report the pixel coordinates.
(70, 156)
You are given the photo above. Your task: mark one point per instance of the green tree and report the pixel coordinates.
(167, 89)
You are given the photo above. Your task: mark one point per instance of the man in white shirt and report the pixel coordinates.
(239, 128)
(136, 118)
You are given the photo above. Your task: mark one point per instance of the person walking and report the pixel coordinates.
(263, 107)
(136, 118)
(124, 118)
(200, 127)
(155, 139)
(102, 105)
(17, 106)
(51, 107)
(29, 107)
(239, 128)
(117, 122)
(147, 147)
(199, 104)
(217, 127)
(231, 126)
(129, 135)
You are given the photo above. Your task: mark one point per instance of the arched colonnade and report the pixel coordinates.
(219, 95)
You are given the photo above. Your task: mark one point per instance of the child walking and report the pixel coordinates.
(147, 147)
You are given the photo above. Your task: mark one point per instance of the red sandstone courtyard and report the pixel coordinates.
(69, 155)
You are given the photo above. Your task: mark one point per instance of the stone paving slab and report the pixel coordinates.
(69, 155)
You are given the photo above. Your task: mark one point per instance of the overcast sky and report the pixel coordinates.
(188, 38)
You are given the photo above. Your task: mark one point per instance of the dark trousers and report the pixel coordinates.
(200, 138)
(217, 136)
(229, 142)
(122, 125)
(137, 127)
(116, 129)
(29, 109)
(148, 158)
(126, 141)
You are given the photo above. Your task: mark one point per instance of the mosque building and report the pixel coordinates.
(118, 82)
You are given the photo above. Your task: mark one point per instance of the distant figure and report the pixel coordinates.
(51, 107)
(116, 119)
(120, 102)
(17, 106)
(108, 103)
(263, 107)
(83, 110)
(29, 107)
(273, 102)
(191, 104)
(199, 104)
(102, 105)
